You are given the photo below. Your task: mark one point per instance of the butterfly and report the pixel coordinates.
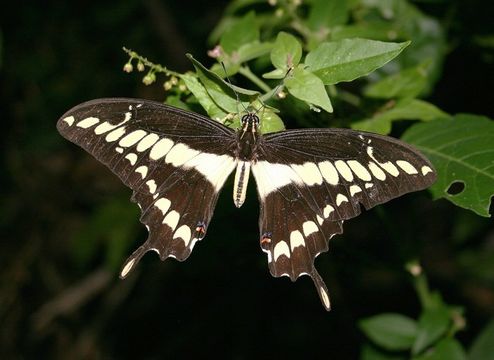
(309, 181)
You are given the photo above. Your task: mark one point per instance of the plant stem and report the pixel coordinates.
(155, 67)
(245, 71)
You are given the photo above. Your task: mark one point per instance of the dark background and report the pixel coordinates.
(63, 213)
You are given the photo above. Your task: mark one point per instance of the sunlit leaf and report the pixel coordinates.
(286, 52)
(202, 96)
(462, 151)
(307, 87)
(349, 59)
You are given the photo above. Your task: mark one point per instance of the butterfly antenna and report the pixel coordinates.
(231, 87)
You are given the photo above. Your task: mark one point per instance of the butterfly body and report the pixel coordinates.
(308, 181)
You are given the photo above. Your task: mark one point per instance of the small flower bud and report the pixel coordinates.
(216, 52)
(128, 67)
(140, 66)
(281, 95)
(149, 79)
(167, 85)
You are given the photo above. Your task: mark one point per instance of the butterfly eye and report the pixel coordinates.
(245, 119)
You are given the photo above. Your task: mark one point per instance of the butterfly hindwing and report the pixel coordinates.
(315, 179)
(176, 162)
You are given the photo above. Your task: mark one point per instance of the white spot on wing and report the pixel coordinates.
(376, 171)
(368, 185)
(340, 198)
(354, 189)
(407, 167)
(163, 204)
(119, 150)
(324, 296)
(184, 233)
(309, 173)
(143, 170)
(281, 249)
(180, 154)
(320, 220)
(388, 166)
(148, 141)
(359, 170)
(151, 185)
(69, 120)
(344, 170)
(160, 149)
(425, 170)
(132, 138)
(132, 158)
(215, 168)
(172, 219)
(309, 227)
(127, 268)
(328, 209)
(296, 239)
(115, 134)
(329, 172)
(88, 122)
(106, 126)
(270, 177)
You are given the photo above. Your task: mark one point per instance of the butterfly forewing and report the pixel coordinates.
(309, 181)
(176, 162)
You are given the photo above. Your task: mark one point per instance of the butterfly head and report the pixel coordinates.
(250, 122)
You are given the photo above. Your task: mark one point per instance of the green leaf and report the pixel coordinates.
(202, 96)
(286, 52)
(406, 83)
(275, 74)
(462, 151)
(327, 13)
(307, 87)
(383, 31)
(446, 349)
(253, 50)
(176, 101)
(348, 59)
(483, 346)
(406, 109)
(243, 31)
(433, 323)
(270, 122)
(223, 95)
(390, 331)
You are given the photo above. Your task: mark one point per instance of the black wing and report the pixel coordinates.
(175, 161)
(309, 181)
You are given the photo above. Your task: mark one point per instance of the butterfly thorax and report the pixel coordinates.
(248, 139)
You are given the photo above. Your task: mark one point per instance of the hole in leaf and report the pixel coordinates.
(456, 188)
